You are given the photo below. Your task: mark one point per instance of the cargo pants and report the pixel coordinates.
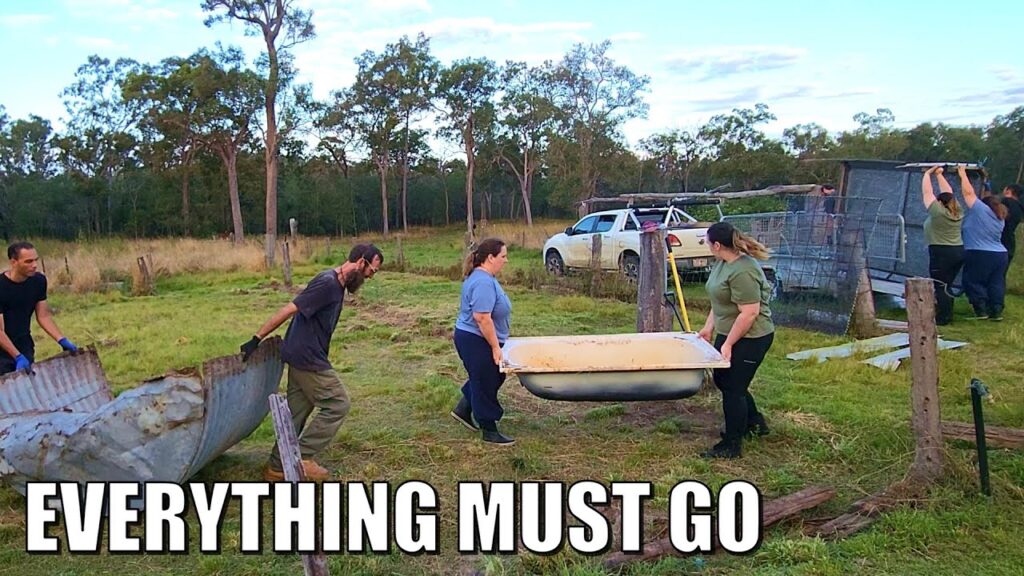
(306, 391)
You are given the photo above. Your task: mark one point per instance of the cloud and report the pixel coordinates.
(94, 42)
(627, 38)
(1006, 73)
(723, 61)
(468, 30)
(747, 96)
(400, 5)
(1011, 95)
(121, 10)
(23, 20)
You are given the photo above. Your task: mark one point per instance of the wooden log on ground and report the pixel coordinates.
(291, 464)
(995, 436)
(924, 389)
(864, 512)
(652, 314)
(774, 511)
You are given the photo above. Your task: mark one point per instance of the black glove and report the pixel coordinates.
(249, 347)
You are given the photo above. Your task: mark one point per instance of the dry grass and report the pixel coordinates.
(99, 266)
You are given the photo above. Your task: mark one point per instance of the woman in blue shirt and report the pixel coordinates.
(985, 257)
(480, 331)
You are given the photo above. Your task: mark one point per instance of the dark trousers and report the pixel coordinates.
(734, 382)
(7, 363)
(481, 389)
(944, 263)
(985, 280)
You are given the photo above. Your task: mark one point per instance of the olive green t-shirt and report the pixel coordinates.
(941, 228)
(739, 282)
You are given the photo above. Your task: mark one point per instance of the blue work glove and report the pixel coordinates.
(22, 363)
(67, 345)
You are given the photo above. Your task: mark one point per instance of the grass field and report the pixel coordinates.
(841, 423)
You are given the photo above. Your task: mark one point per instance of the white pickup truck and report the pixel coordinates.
(620, 240)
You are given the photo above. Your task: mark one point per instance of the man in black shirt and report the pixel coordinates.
(22, 293)
(312, 381)
(1011, 199)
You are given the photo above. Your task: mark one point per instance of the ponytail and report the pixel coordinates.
(749, 246)
(489, 247)
(727, 235)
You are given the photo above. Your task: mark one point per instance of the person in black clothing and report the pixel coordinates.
(22, 293)
(312, 382)
(1011, 199)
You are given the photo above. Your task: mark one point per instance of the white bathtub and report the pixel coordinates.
(611, 367)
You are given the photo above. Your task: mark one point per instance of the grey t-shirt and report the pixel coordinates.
(308, 338)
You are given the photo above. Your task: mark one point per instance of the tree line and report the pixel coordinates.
(209, 145)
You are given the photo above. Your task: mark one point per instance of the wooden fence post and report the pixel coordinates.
(595, 265)
(145, 287)
(652, 313)
(286, 264)
(291, 463)
(293, 230)
(400, 254)
(926, 419)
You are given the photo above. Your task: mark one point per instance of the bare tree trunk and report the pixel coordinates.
(383, 172)
(230, 158)
(405, 179)
(467, 137)
(270, 154)
(186, 167)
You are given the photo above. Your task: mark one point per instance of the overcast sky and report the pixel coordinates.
(951, 62)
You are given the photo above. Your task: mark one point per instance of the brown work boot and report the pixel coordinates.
(314, 471)
(271, 475)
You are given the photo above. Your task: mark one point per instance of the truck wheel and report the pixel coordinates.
(630, 265)
(554, 263)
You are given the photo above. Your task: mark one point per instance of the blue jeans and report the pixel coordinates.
(481, 389)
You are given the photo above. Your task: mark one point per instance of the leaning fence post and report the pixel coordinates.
(978, 390)
(291, 463)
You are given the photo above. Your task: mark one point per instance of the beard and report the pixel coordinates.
(353, 281)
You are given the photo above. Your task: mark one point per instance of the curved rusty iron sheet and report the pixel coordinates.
(61, 423)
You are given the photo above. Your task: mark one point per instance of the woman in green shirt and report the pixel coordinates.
(945, 243)
(740, 327)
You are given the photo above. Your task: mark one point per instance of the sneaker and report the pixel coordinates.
(723, 449)
(759, 429)
(495, 437)
(996, 318)
(314, 472)
(981, 316)
(464, 416)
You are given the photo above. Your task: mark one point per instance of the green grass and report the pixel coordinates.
(841, 423)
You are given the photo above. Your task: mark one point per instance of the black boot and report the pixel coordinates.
(757, 427)
(728, 448)
(492, 436)
(464, 414)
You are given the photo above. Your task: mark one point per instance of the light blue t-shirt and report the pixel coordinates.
(482, 293)
(982, 229)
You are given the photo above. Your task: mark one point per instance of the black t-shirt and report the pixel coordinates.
(17, 304)
(309, 335)
(1013, 218)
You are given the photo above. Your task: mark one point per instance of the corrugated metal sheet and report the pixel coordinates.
(236, 399)
(166, 429)
(70, 382)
